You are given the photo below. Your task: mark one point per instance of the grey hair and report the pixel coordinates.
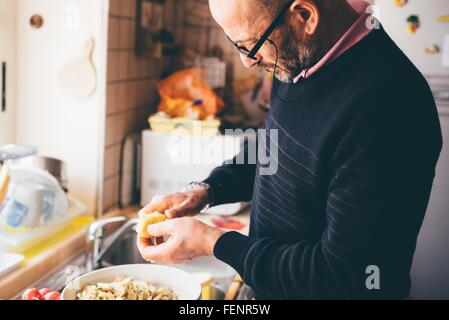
(272, 6)
(275, 5)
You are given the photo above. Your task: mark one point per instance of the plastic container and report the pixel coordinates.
(162, 124)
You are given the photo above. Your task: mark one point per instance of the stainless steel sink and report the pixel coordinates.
(123, 250)
(101, 251)
(120, 248)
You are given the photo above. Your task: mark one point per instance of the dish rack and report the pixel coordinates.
(22, 240)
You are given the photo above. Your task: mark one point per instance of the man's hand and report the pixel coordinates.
(189, 239)
(179, 204)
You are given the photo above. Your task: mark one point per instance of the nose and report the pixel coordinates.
(249, 63)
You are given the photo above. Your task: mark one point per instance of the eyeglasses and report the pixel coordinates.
(251, 54)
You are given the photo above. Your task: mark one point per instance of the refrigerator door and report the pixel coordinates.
(430, 277)
(431, 31)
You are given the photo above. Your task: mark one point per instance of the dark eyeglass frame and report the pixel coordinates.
(251, 54)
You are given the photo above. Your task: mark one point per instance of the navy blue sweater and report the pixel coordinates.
(356, 162)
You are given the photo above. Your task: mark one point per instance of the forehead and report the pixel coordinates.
(239, 19)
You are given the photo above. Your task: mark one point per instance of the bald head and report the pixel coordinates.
(249, 10)
(237, 17)
(307, 30)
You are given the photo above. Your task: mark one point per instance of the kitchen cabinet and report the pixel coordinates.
(8, 32)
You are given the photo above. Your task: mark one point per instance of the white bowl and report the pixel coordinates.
(184, 285)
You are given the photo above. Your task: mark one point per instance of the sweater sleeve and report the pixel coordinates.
(375, 204)
(234, 181)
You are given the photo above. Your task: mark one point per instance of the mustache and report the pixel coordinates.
(270, 66)
(263, 65)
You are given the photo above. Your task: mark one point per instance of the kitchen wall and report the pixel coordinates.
(131, 81)
(60, 126)
(8, 37)
(187, 20)
(131, 93)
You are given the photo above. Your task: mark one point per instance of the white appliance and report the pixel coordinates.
(170, 162)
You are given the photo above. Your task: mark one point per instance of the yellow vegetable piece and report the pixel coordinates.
(152, 218)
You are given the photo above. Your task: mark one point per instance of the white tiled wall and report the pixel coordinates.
(131, 93)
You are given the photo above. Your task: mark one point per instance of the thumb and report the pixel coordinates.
(158, 207)
(181, 210)
(160, 229)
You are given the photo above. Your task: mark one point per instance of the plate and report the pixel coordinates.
(9, 262)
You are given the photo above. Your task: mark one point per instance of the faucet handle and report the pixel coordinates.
(95, 234)
(96, 229)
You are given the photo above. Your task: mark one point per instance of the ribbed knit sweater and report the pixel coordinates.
(357, 150)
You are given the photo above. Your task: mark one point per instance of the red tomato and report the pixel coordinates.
(44, 291)
(53, 295)
(31, 294)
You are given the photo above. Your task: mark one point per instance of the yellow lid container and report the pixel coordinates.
(206, 280)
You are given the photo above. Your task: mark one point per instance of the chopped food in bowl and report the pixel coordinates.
(126, 289)
(134, 282)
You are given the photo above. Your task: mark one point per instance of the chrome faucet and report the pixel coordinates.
(95, 237)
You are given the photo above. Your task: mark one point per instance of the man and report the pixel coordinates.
(358, 139)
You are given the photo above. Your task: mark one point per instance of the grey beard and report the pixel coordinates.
(295, 55)
(292, 65)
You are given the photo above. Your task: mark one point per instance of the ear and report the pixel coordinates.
(307, 12)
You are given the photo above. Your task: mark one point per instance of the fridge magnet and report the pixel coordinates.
(432, 49)
(444, 19)
(414, 23)
(400, 3)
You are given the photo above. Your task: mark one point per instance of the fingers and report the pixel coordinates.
(177, 205)
(161, 229)
(157, 232)
(152, 253)
(179, 247)
(158, 240)
(180, 210)
(142, 243)
(158, 204)
(156, 253)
